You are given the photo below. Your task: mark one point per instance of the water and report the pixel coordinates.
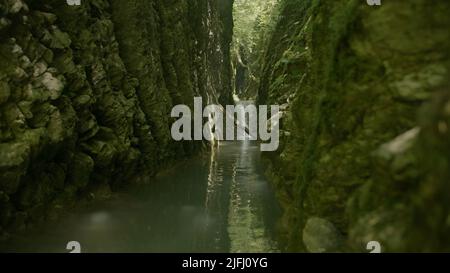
(215, 203)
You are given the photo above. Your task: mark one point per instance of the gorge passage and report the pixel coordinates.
(86, 94)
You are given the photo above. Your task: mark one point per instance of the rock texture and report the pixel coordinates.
(365, 135)
(86, 93)
(321, 236)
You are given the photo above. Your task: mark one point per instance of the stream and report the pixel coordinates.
(220, 202)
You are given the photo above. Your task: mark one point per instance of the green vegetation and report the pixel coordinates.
(253, 24)
(86, 94)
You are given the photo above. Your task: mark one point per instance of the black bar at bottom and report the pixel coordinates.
(220, 262)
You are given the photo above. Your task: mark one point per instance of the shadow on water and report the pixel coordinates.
(218, 204)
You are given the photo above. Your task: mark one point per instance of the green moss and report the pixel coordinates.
(352, 80)
(86, 94)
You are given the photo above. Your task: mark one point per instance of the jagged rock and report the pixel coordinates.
(39, 69)
(19, 74)
(25, 108)
(84, 94)
(14, 6)
(54, 85)
(56, 39)
(24, 62)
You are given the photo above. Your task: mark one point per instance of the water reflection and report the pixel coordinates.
(220, 203)
(247, 228)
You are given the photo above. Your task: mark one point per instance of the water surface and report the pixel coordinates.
(216, 203)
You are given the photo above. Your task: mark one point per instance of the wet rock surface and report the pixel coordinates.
(86, 93)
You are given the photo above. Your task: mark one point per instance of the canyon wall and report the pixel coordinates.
(86, 93)
(365, 152)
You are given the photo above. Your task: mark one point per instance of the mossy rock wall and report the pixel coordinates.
(365, 132)
(86, 93)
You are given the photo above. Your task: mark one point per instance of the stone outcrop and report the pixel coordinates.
(365, 134)
(86, 93)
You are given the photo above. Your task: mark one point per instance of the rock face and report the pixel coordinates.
(365, 135)
(86, 93)
(320, 236)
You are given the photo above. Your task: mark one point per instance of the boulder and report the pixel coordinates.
(320, 235)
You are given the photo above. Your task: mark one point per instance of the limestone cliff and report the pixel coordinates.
(365, 149)
(86, 93)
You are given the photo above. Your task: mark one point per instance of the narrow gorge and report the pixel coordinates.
(87, 155)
